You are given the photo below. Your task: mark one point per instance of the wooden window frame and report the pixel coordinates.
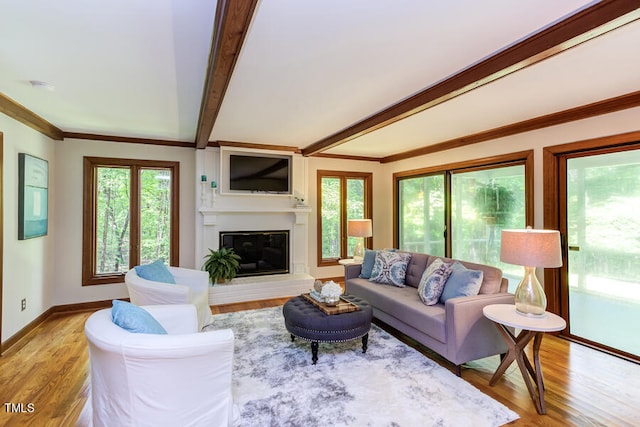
(520, 158)
(368, 210)
(89, 224)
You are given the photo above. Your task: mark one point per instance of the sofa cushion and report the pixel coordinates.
(415, 269)
(135, 319)
(433, 280)
(403, 304)
(156, 272)
(462, 282)
(390, 268)
(367, 263)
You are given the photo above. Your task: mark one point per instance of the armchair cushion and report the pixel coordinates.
(135, 319)
(156, 271)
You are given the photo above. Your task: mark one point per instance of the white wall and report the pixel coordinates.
(68, 224)
(27, 264)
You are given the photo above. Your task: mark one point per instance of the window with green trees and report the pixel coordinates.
(341, 196)
(459, 210)
(130, 216)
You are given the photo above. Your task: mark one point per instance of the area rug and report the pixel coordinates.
(276, 384)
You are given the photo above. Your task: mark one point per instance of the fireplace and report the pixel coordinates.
(261, 252)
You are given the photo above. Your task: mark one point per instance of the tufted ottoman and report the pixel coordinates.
(303, 320)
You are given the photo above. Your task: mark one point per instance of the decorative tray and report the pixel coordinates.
(344, 306)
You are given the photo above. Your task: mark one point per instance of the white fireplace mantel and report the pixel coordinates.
(211, 214)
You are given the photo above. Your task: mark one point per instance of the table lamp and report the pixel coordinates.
(359, 228)
(531, 248)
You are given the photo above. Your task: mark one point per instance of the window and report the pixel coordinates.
(341, 196)
(459, 210)
(130, 216)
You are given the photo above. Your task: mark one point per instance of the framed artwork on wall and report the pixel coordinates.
(33, 196)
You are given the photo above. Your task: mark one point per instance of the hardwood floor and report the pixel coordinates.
(49, 370)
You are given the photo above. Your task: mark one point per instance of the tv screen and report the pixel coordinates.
(259, 173)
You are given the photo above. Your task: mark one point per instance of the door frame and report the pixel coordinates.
(1, 230)
(554, 215)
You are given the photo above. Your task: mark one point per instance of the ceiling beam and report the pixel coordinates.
(231, 25)
(25, 116)
(127, 139)
(584, 25)
(255, 146)
(630, 100)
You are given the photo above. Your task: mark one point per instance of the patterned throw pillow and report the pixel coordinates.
(433, 280)
(390, 268)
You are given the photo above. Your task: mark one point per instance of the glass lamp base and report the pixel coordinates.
(529, 297)
(358, 251)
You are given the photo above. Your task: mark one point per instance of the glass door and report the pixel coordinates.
(603, 237)
(483, 203)
(422, 214)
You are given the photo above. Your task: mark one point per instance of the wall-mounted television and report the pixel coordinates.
(260, 173)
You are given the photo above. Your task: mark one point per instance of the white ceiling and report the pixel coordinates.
(307, 69)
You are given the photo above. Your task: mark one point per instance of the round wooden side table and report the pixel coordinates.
(505, 316)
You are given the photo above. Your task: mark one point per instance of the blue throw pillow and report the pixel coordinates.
(156, 271)
(135, 319)
(367, 263)
(462, 282)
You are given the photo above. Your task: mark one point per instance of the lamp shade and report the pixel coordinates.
(531, 248)
(359, 228)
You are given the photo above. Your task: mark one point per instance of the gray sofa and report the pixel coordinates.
(457, 330)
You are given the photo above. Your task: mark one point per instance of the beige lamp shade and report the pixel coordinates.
(359, 228)
(531, 248)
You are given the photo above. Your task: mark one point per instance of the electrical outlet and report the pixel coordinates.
(24, 304)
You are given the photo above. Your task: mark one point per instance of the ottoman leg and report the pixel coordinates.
(365, 341)
(314, 351)
(293, 337)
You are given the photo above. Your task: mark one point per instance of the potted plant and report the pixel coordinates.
(221, 265)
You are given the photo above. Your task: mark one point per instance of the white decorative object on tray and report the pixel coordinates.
(331, 292)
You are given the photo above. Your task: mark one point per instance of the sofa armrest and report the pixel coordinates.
(470, 335)
(351, 271)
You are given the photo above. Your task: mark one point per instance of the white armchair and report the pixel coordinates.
(191, 287)
(179, 379)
